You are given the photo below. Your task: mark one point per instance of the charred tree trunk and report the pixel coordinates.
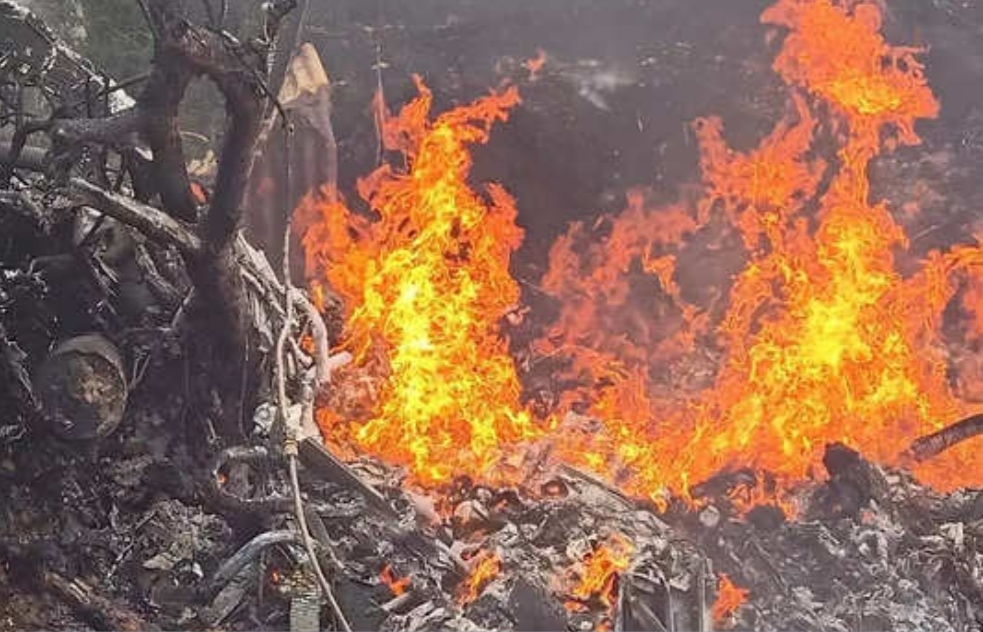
(239, 72)
(219, 314)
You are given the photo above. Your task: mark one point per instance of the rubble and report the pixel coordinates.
(153, 520)
(831, 571)
(896, 563)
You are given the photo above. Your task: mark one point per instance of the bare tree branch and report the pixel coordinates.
(237, 70)
(928, 446)
(120, 129)
(160, 104)
(152, 222)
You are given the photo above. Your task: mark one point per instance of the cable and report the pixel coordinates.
(309, 545)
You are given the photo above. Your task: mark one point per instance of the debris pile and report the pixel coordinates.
(877, 551)
(137, 497)
(579, 557)
(901, 558)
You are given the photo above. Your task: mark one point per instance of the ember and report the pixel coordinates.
(397, 585)
(596, 577)
(729, 599)
(484, 568)
(535, 65)
(554, 488)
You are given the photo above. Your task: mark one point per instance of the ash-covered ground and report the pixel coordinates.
(132, 520)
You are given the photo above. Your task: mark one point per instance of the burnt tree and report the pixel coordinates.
(162, 204)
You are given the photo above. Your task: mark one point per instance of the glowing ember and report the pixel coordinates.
(397, 585)
(485, 567)
(595, 578)
(729, 599)
(426, 285)
(555, 489)
(535, 65)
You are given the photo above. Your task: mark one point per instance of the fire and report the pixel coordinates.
(397, 585)
(819, 338)
(535, 64)
(823, 339)
(595, 577)
(835, 51)
(729, 599)
(485, 567)
(426, 283)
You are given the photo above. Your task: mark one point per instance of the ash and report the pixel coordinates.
(161, 526)
(871, 551)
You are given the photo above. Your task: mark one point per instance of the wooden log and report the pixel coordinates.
(101, 612)
(928, 446)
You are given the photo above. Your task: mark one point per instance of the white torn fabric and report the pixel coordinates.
(305, 76)
(306, 90)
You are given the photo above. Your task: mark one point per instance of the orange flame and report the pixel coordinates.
(535, 64)
(824, 339)
(485, 567)
(819, 338)
(834, 50)
(426, 283)
(595, 577)
(397, 585)
(729, 599)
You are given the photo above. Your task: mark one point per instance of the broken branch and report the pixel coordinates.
(98, 610)
(928, 446)
(118, 129)
(150, 221)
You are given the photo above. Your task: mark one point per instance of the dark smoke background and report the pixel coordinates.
(612, 107)
(624, 79)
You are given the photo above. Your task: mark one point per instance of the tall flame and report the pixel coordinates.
(426, 283)
(820, 337)
(824, 339)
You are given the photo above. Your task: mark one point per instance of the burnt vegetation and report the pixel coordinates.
(160, 463)
(128, 286)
